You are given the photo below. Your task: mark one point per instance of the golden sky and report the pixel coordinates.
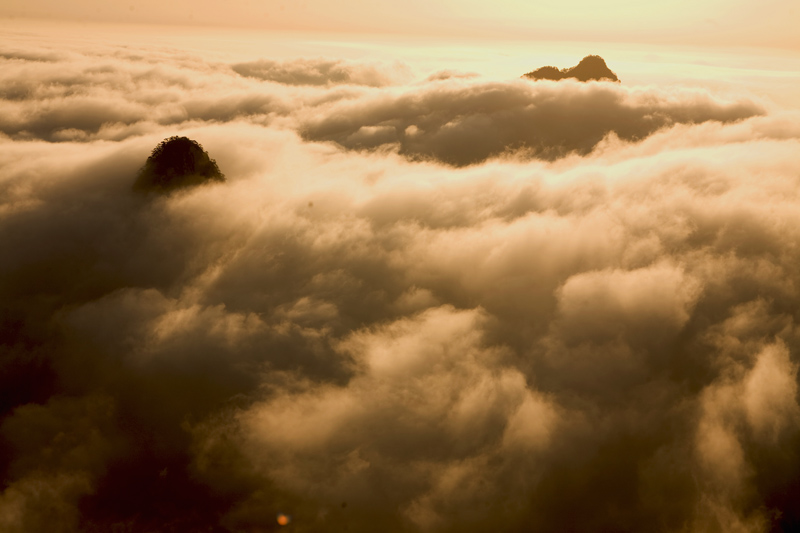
(770, 23)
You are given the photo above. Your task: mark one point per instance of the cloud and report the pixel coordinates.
(428, 407)
(460, 123)
(362, 337)
(324, 72)
(114, 94)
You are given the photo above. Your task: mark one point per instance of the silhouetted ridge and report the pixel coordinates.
(590, 68)
(177, 163)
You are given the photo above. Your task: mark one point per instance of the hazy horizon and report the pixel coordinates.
(763, 23)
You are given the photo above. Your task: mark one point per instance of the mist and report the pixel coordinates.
(427, 302)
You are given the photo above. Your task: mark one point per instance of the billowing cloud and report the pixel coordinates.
(428, 407)
(594, 329)
(322, 72)
(461, 123)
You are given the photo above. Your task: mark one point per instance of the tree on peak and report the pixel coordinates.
(590, 68)
(177, 163)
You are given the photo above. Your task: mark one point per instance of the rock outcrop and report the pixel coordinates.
(177, 163)
(590, 68)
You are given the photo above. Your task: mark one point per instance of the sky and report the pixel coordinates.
(770, 23)
(428, 296)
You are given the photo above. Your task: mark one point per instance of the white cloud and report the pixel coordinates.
(439, 348)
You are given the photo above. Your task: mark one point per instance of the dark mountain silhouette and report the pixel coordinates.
(177, 163)
(590, 68)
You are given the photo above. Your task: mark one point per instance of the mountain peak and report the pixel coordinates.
(177, 163)
(590, 68)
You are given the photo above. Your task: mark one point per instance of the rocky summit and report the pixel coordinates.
(590, 68)
(177, 163)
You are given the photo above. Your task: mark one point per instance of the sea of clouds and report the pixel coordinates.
(442, 304)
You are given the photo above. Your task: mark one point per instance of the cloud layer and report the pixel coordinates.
(464, 123)
(320, 72)
(450, 305)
